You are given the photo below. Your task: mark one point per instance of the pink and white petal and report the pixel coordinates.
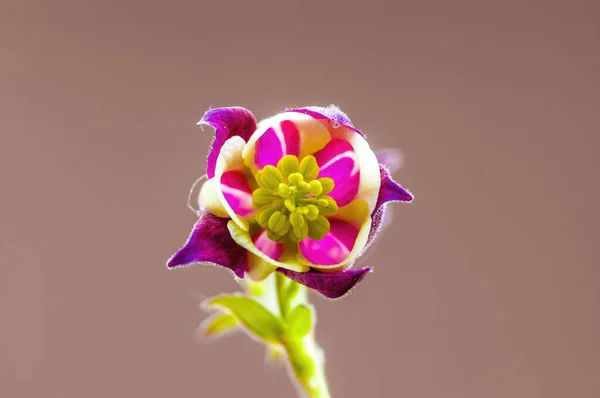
(357, 213)
(230, 159)
(331, 285)
(370, 180)
(237, 192)
(209, 200)
(273, 250)
(258, 268)
(227, 122)
(334, 248)
(356, 250)
(338, 161)
(211, 242)
(279, 140)
(242, 237)
(358, 216)
(283, 134)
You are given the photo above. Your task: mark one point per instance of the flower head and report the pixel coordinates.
(301, 193)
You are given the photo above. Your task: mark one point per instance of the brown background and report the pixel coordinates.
(487, 286)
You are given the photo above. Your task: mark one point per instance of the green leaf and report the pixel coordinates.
(219, 324)
(300, 321)
(253, 315)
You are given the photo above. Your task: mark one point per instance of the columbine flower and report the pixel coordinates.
(302, 194)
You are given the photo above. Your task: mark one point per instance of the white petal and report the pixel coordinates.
(230, 158)
(370, 177)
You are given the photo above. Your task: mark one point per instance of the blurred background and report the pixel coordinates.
(488, 285)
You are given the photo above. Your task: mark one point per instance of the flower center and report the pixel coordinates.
(291, 201)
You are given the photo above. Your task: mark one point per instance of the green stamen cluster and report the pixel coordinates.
(291, 201)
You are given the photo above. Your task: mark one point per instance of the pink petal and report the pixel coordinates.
(276, 142)
(227, 122)
(269, 247)
(334, 247)
(237, 192)
(338, 161)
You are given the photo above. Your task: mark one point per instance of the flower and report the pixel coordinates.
(301, 193)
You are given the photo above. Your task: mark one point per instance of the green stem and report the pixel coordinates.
(280, 288)
(306, 358)
(307, 367)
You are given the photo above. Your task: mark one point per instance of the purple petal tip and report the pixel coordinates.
(210, 241)
(227, 122)
(331, 285)
(390, 190)
(332, 113)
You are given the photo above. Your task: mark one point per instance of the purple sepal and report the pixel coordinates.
(211, 242)
(377, 222)
(331, 285)
(335, 116)
(227, 122)
(390, 190)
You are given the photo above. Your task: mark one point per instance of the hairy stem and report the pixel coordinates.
(306, 359)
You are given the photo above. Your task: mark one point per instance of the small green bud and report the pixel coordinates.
(262, 196)
(296, 219)
(327, 184)
(258, 178)
(300, 233)
(295, 178)
(323, 202)
(312, 212)
(262, 216)
(318, 228)
(288, 165)
(315, 188)
(277, 222)
(282, 225)
(304, 187)
(285, 228)
(273, 236)
(271, 177)
(289, 204)
(330, 209)
(284, 190)
(302, 210)
(309, 168)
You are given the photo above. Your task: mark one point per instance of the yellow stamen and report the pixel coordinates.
(292, 202)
